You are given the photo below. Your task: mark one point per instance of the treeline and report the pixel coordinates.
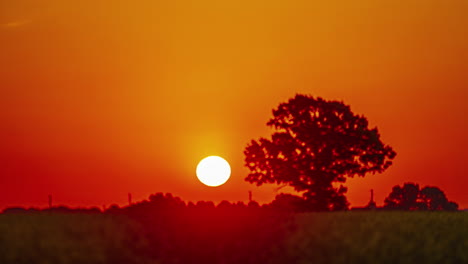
(167, 202)
(165, 229)
(180, 232)
(408, 197)
(174, 231)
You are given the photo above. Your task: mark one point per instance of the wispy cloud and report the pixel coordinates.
(15, 24)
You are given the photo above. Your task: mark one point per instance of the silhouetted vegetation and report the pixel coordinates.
(165, 229)
(316, 146)
(57, 209)
(226, 233)
(410, 197)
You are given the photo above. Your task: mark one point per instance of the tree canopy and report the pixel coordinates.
(411, 197)
(315, 146)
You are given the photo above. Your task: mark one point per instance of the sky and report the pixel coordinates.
(103, 98)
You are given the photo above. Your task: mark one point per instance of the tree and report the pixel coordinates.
(435, 199)
(410, 197)
(316, 145)
(404, 198)
(288, 202)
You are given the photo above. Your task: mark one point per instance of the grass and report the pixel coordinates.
(380, 237)
(69, 238)
(341, 237)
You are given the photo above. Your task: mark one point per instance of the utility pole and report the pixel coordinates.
(50, 201)
(371, 204)
(129, 199)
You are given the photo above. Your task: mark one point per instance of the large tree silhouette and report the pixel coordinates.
(316, 145)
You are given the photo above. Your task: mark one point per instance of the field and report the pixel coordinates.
(69, 238)
(380, 237)
(345, 237)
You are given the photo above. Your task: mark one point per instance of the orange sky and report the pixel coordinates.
(101, 99)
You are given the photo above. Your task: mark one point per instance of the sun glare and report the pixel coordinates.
(213, 171)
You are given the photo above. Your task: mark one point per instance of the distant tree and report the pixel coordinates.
(15, 210)
(240, 205)
(405, 198)
(253, 204)
(451, 206)
(410, 197)
(165, 201)
(435, 199)
(224, 205)
(288, 202)
(205, 205)
(113, 209)
(316, 145)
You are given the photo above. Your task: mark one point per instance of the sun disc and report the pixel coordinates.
(213, 171)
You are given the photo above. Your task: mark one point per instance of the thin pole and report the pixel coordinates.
(50, 201)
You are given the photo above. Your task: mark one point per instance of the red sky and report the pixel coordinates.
(101, 99)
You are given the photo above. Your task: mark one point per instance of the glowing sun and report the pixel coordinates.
(213, 171)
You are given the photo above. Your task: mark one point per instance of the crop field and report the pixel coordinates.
(380, 237)
(69, 238)
(342, 237)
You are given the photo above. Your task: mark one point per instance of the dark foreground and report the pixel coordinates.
(230, 237)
